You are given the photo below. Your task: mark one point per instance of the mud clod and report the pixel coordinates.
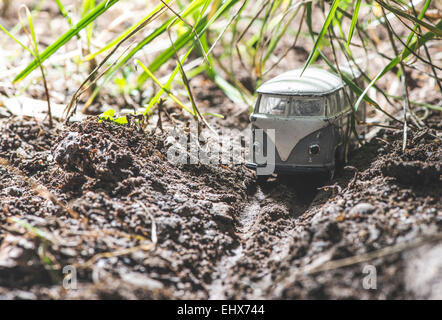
(218, 233)
(413, 172)
(361, 209)
(95, 158)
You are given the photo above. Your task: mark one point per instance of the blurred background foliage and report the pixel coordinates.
(146, 50)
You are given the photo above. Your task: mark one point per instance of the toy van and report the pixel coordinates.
(305, 120)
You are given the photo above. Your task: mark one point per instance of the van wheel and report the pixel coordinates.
(339, 160)
(261, 179)
(331, 174)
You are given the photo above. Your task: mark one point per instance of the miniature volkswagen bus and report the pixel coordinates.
(305, 120)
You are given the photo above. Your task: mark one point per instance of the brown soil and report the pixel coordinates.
(97, 196)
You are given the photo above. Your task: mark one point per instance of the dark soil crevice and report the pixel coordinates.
(220, 234)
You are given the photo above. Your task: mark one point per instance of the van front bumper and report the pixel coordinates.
(292, 168)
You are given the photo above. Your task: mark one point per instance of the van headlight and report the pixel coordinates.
(314, 149)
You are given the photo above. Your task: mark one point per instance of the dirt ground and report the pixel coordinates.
(104, 199)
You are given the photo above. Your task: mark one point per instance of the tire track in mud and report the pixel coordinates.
(246, 220)
(264, 229)
(224, 248)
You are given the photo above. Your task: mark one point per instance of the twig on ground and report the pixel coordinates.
(154, 237)
(41, 190)
(116, 253)
(353, 181)
(397, 248)
(333, 187)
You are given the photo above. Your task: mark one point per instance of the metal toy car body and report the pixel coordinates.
(311, 119)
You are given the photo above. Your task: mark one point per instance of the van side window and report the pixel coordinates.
(338, 101)
(344, 100)
(350, 96)
(311, 107)
(353, 98)
(331, 101)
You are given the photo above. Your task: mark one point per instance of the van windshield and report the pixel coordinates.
(291, 106)
(273, 105)
(300, 107)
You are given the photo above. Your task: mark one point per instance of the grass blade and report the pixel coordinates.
(127, 32)
(36, 54)
(89, 18)
(354, 20)
(151, 37)
(435, 29)
(174, 98)
(167, 86)
(64, 12)
(405, 53)
(421, 15)
(16, 40)
(186, 38)
(325, 26)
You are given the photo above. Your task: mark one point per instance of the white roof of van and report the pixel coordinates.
(314, 81)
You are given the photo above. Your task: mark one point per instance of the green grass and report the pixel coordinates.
(249, 33)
